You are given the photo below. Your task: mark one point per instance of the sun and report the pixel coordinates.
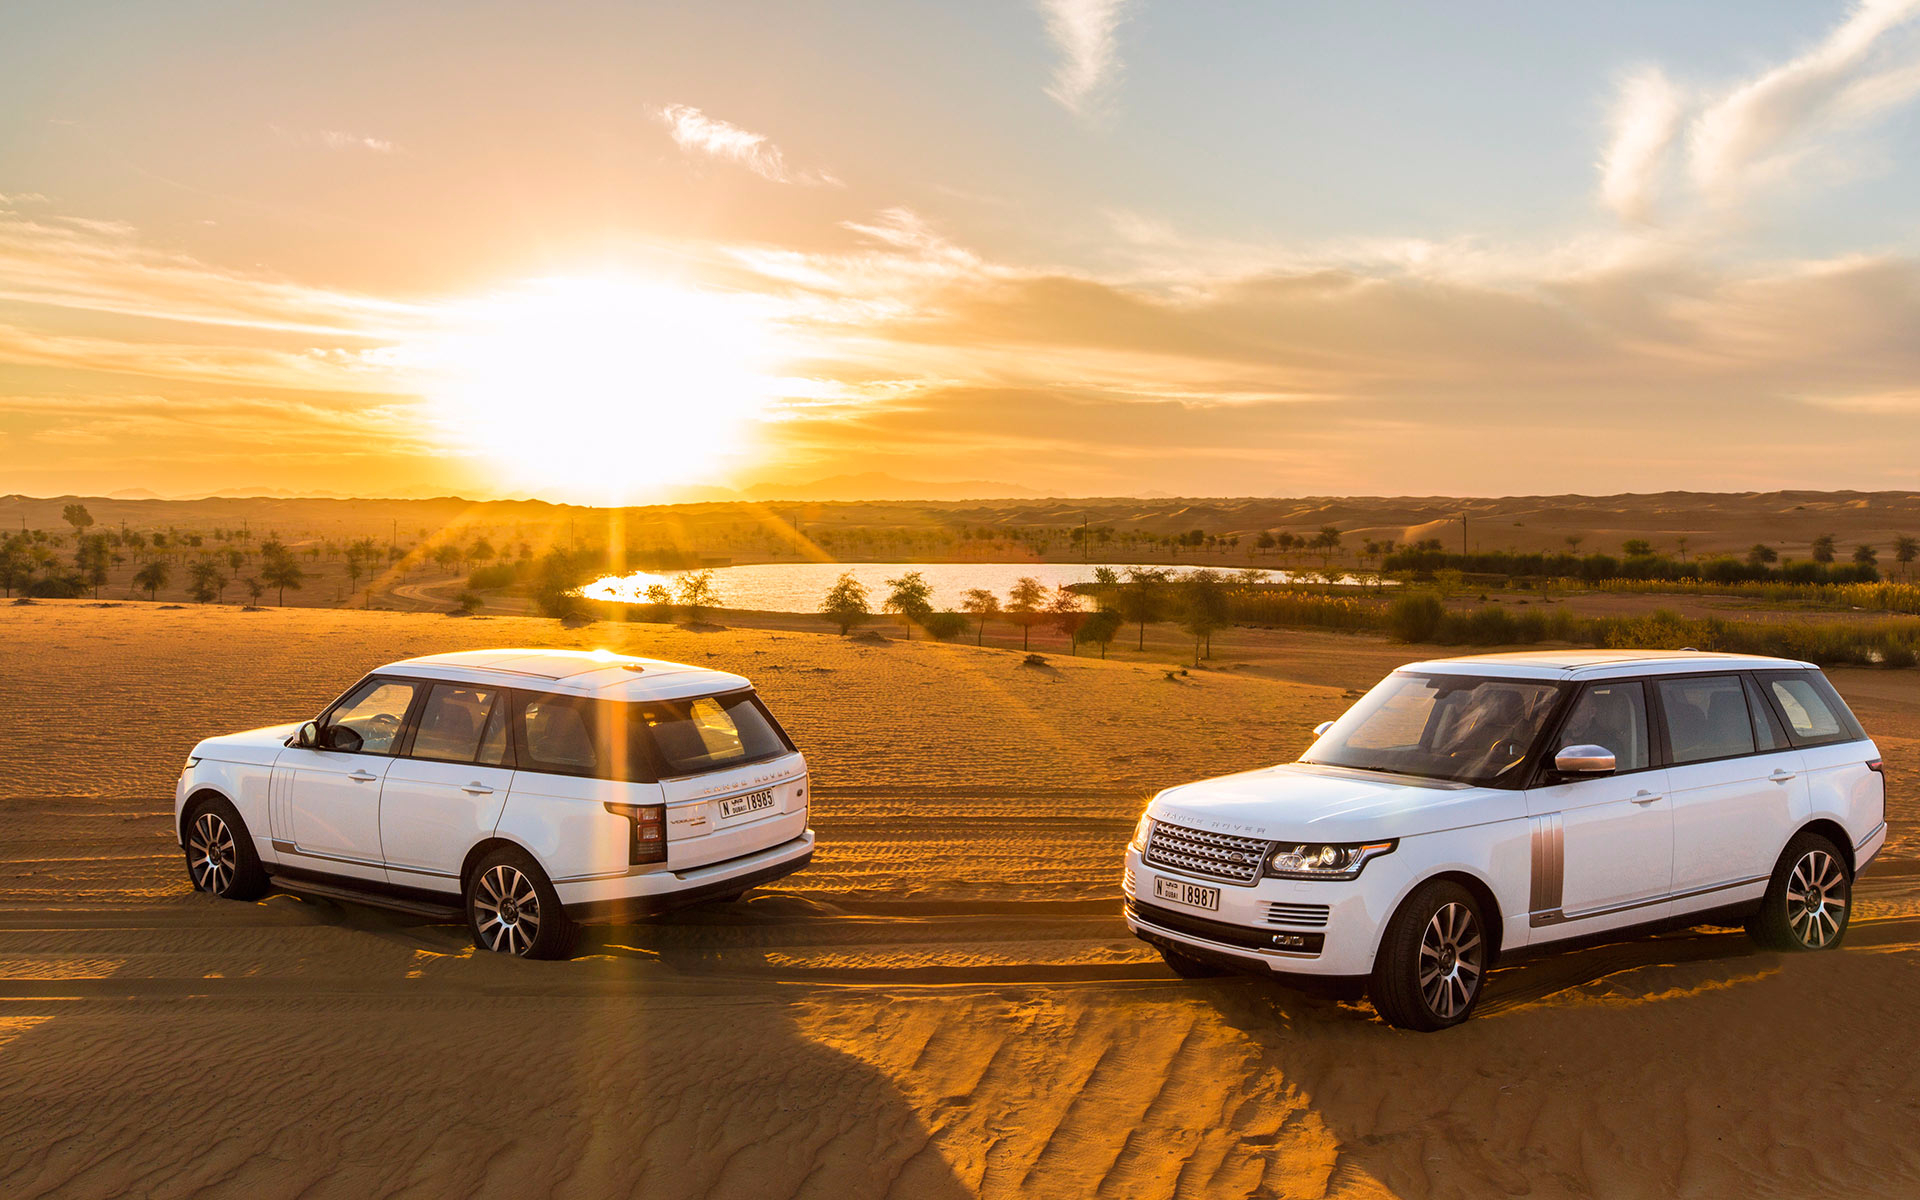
(601, 389)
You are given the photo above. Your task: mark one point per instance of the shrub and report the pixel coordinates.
(1416, 617)
(943, 626)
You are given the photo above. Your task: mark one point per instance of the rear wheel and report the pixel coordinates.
(513, 909)
(1432, 961)
(221, 860)
(1808, 900)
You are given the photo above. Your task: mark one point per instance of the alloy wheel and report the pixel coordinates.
(1817, 898)
(1451, 957)
(507, 910)
(211, 855)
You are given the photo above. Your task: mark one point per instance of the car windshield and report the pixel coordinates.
(1459, 727)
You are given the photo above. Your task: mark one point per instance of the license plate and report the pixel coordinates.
(737, 806)
(1181, 892)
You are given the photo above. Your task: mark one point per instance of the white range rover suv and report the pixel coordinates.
(1470, 808)
(535, 790)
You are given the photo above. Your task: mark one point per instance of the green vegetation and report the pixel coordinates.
(847, 603)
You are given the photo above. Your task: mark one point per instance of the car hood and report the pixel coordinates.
(253, 746)
(1304, 803)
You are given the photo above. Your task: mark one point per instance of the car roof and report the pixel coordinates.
(1601, 664)
(598, 673)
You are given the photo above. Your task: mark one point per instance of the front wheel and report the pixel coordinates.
(1808, 900)
(1432, 961)
(221, 860)
(513, 909)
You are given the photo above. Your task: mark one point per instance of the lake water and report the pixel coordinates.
(799, 587)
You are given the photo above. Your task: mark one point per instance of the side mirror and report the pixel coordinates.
(309, 736)
(1322, 728)
(1584, 760)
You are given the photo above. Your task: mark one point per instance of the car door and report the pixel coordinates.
(445, 792)
(1735, 786)
(329, 794)
(1602, 847)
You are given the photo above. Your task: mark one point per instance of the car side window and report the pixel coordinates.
(1706, 717)
(1806, 710)
(558, 735)
(1766, 727)
(453, 721)
(1613, 715)
(495, 746)
(368, 720)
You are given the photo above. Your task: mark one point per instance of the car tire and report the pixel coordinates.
(221, 859)
(1809, 899)
(513, 909)
(1432, 964)
(1186, 966)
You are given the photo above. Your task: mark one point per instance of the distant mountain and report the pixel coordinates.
(876, 485)
(135, 494)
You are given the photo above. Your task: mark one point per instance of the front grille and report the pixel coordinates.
(1198, 852)
(1303, 916)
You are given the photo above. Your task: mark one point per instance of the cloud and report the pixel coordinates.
(334, 139)
(1645, 121)
(1085, 32)
(1741, 140)
(697, 133)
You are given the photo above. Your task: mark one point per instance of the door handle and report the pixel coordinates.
(1645, 797)
(363, 776)
(1781, 776)
(476, 788)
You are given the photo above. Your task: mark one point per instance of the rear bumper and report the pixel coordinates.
(616, 901)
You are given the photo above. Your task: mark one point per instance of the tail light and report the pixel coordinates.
(647, 842)
(1877, 768)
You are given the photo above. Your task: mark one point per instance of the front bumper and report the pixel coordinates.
(1295, 938)
(614, 901)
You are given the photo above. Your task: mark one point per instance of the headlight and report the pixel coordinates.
(1142, 832)
(190, 764)
(1323, 860)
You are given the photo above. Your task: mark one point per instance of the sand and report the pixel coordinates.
(945, 1004)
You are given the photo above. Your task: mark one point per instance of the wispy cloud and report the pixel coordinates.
(1737, 142)
(337, 139)
(697, 133)
(1645, 122)
(1086, 34)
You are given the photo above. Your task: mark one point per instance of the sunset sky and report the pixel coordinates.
(615, 251)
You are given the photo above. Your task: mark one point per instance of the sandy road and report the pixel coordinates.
(945, 1004)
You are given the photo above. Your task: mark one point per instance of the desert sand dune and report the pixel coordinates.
(945, 1004)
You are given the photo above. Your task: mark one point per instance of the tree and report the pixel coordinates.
(554, 588)
(696, 592)
(208, 582)
(1144, 598)
(1203, 608)
(1761, 554)
(945, 626)
(982, 604)
(77, 516)
(281, 572)
(93, 556)
(1636, 547)
(255, 589)
(153, 576)
(1823, 548)
(1023, 604)
(1905, 550)
(846, 603)
(1101, 628)
(911, 597)
(1864, 556)
(1065, 611)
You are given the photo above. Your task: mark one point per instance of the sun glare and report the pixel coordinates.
(606, 390)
